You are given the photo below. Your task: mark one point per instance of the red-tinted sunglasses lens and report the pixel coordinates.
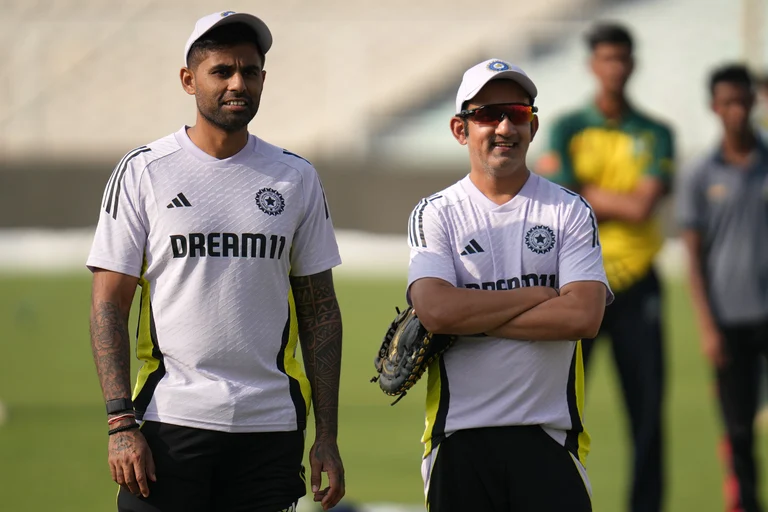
(494, 114)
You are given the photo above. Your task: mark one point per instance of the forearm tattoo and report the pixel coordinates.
(319, 320)
(111, 349)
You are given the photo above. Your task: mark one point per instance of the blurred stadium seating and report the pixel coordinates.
(89, 78)
(361, 88)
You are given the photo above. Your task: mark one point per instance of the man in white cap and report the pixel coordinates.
(232, 243)
(512, 264)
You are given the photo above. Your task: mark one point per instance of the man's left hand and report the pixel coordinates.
(324, 458)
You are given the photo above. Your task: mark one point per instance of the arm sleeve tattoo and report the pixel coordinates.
(111, 349)
(319, 320)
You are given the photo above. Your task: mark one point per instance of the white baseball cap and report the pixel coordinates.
(477, 76)
(217, 19)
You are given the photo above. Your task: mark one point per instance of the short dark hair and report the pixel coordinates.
(611, 33)
(730, 73)
(225, 36)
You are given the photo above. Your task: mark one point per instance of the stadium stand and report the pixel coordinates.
(93, 77)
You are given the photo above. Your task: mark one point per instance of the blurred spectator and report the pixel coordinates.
(723, 209)
(760, 116)
(621, 162)
(761, 106)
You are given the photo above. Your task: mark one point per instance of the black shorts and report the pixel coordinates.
(209, 471)
(504, 469)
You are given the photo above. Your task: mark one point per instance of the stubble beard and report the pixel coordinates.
(510, 166)
(229, 123)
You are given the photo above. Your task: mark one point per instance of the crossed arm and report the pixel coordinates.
(633, 207)
(319, 320)
(534, 313)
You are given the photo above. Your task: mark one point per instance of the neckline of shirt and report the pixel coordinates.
(758, 157)
(182, 137)
(480, 199)
(629, 116)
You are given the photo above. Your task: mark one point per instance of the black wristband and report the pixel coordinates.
(123, 428)
(119, 405)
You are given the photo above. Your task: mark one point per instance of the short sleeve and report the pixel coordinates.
(431, 254)
(314, 248)
(121, 232)
(663, 163)
(689, 201)
(556, 164)
(581, 257)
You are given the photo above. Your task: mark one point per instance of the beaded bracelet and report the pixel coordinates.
(123, 428)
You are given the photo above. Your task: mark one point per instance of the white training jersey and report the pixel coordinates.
(544, 236)
(213, 243)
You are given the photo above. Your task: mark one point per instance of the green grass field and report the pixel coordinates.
(53, 445)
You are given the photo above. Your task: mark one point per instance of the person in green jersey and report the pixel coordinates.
(620, 160)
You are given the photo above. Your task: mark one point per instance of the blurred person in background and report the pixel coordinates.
(760, 111)
(620, 160)
(760, 117)
(232, 244)
(508, 254)
(722, 207)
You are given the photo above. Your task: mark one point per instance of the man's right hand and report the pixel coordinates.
(130, 461)
(713, 347)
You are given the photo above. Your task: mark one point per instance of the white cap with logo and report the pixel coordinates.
(477, 76)
(217, 19)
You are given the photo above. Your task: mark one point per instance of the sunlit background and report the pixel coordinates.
(364, 89)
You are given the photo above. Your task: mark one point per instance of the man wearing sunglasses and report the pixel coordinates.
(620, 161)
(512, 264)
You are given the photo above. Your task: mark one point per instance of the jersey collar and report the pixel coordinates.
(595, 115)
(479, 199)
(759, 154)
(240, 157)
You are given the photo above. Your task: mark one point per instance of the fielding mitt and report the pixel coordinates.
(406, 352)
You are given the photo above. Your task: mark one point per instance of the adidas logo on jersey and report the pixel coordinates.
(472, 248)
(179, 202)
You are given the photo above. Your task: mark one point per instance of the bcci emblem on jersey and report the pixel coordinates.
(540, 239)
(270, 201)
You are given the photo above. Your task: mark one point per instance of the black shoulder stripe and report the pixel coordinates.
(114, 197)
(325, 201)
(285, 152)
(412, 224)
(422, 239)
(110, 188)
(595, 237)
(416, 222)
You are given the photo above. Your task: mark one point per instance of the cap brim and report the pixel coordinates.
(263, 34)
(520, 79)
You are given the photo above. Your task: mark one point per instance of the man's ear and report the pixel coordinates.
(459, 128)
(534, 126)
(188, 81)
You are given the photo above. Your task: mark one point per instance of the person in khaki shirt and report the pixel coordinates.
(722, 207)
